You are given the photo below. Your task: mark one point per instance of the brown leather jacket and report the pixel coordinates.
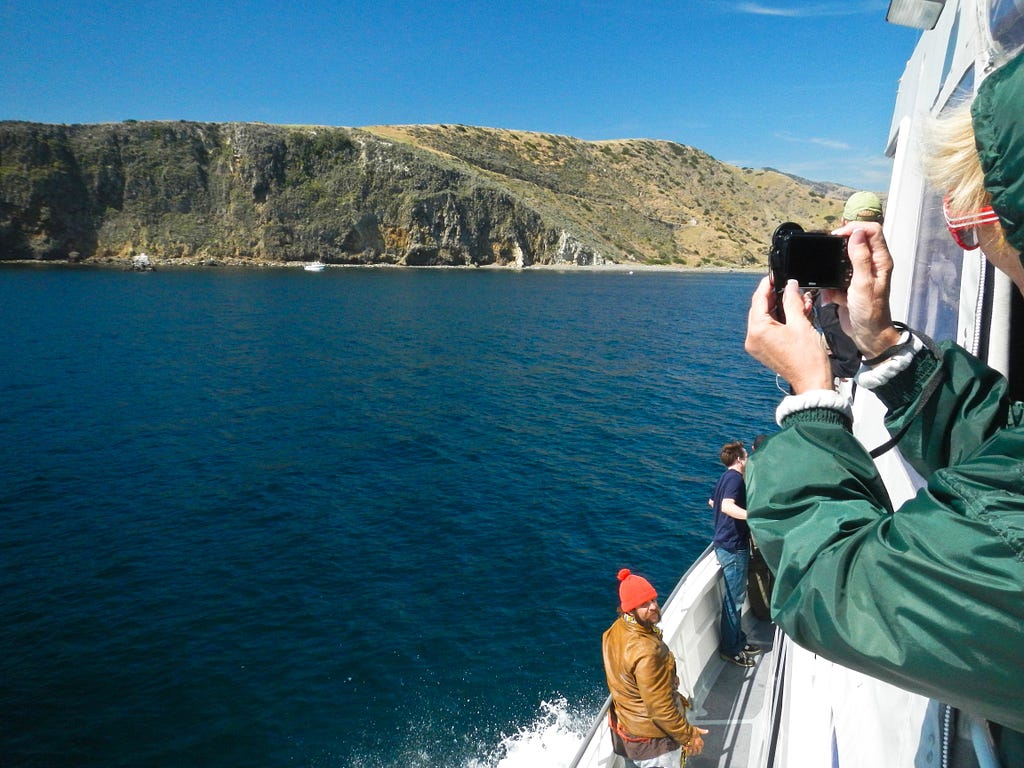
(641, 672)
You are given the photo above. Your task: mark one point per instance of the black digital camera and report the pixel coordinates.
(813, 259)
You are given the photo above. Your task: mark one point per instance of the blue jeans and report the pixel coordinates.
(734, 571)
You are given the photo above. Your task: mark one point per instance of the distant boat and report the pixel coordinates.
(315, 266)
(141, 263)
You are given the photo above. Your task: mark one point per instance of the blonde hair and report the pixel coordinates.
(952, 165)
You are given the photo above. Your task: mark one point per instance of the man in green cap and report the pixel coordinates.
(862, 206)
(842, 352)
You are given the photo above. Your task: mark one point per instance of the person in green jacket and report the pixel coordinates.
(929, 596)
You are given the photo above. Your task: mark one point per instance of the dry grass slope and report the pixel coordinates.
(649, 201)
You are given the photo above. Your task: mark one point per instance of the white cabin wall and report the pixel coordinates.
(873, 723)
(906, 189)
(999, 343)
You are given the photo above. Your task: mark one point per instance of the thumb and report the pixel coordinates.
(793, 302)
(857, 248)
(700, 730)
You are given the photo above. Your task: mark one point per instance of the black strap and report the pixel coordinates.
(926, 394)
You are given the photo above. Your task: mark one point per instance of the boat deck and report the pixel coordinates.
(732, 709)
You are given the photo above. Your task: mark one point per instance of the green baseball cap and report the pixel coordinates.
(863, 206)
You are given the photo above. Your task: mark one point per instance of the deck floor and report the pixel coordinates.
(733, 704)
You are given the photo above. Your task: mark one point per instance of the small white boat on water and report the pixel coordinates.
(315, 266)
(142, 263)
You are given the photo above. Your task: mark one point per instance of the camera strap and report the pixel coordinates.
(926, 393)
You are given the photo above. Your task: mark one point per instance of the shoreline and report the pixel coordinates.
(562, 267)
(642, 268)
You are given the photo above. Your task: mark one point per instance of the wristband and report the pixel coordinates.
(816, 398)
(895, 349)
(891, 364)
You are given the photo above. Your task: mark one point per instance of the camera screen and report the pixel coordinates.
(817, 260)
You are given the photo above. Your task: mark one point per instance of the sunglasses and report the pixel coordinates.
(964, 228)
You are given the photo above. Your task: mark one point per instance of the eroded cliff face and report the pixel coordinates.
(249, 193)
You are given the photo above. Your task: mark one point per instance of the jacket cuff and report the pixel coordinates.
(816, 405)
(896, 360)
(901, 390)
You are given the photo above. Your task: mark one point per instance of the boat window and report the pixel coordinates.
(1006, 25)
(952, 42)
(935, 295)
(938, 266)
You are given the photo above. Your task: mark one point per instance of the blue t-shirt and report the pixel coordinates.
(730, 534)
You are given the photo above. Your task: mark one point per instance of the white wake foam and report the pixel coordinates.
(551, 740)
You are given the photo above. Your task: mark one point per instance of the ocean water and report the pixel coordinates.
(367, 517)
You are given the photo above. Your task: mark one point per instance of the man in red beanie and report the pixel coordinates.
(648, 714)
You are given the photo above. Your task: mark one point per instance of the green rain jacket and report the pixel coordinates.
(929, 597)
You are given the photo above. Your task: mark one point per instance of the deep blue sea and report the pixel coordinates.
(367, 517)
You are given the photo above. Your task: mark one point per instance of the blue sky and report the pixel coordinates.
(806, 87)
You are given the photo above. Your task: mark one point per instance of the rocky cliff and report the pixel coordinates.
(249, 193)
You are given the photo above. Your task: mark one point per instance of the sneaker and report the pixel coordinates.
(751, 650)
(740, 659)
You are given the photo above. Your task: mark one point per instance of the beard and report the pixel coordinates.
(652, 618)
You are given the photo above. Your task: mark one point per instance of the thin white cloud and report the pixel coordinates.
(836, 144)
(808, 11)
(830, 143)
(759, 10)
(856, 171)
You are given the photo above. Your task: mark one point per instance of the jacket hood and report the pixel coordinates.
(998, 118)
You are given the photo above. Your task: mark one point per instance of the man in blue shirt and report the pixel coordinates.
(732, 547)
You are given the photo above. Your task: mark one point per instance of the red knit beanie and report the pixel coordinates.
(634, 591)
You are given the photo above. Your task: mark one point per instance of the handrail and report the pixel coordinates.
(984, 746)
(693, 566)
(779, 694)
(598, 722)
(603, 714)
